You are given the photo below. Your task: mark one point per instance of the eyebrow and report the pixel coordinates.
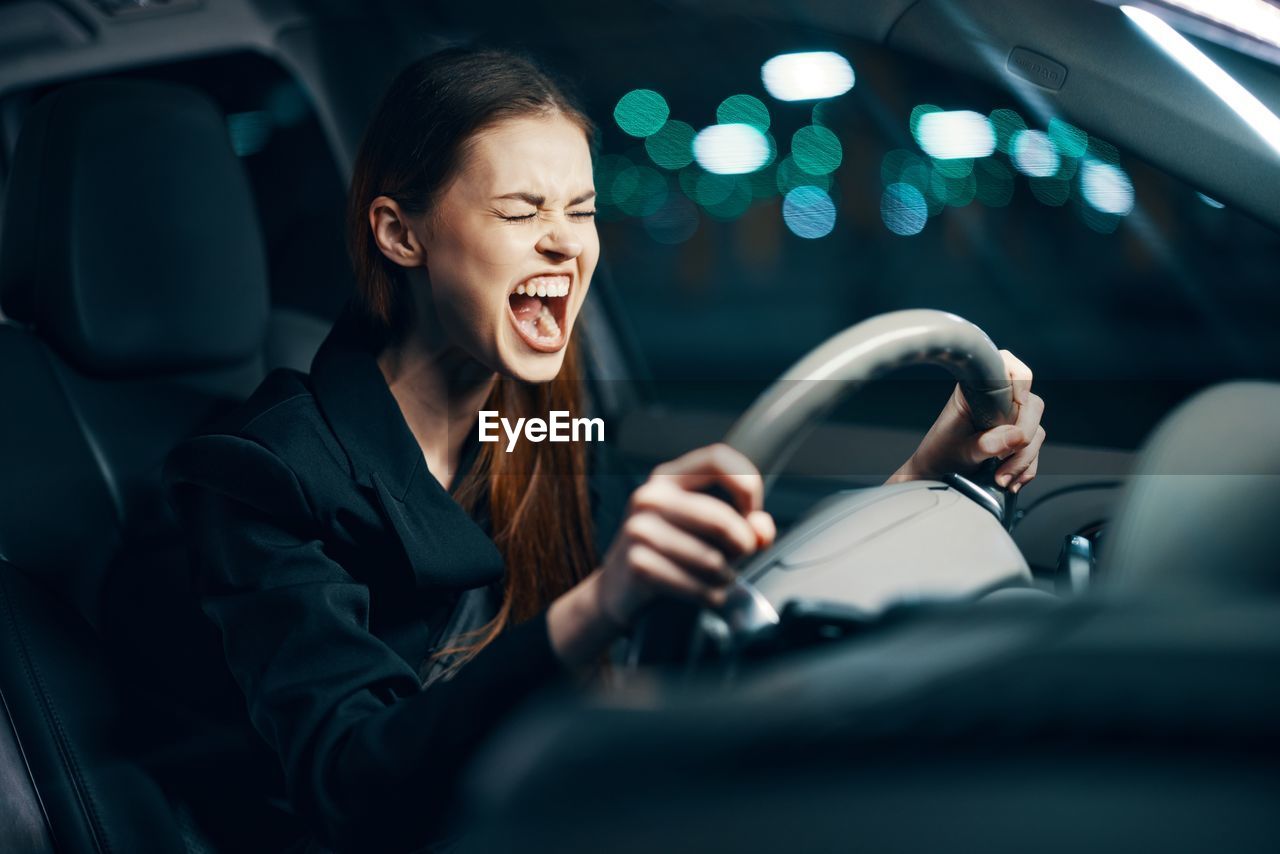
(537, 201)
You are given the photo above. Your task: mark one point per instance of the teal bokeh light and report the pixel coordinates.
(743, 110)
(816, 150)
(641, 112)
(809, 212)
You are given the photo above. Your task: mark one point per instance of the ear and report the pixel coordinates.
(394, 234)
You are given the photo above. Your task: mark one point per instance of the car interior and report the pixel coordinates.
(171, 230)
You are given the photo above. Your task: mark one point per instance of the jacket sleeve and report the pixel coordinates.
(370, 757)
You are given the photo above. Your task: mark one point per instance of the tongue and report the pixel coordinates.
(525, 307)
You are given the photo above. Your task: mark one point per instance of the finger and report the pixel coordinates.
(999, 442)
(1019, 375)
(1012, 468)
(1030, 413)
(1027, 476)
(662, 574)
(718, 465)
(685, 550)
(766, 529)
(701, 515)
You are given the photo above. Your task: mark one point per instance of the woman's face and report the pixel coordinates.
(513, 245)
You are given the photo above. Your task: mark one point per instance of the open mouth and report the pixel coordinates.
(539, 306)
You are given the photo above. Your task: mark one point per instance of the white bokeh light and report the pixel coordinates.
(734, 149)
(954, 134)
(807, 76)
(1035, 154)
(1106, 187)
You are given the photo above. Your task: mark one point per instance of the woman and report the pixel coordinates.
(385, 587)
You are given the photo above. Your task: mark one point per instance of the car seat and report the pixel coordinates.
(132, 274)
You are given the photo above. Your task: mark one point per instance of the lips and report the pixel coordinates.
(538, 308)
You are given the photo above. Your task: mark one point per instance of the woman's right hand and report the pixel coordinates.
(678, 540)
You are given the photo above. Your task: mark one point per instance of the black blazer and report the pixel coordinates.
(332, 563)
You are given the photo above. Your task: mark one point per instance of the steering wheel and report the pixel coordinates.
(775, 424)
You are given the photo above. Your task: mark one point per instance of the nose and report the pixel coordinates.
(557, 242)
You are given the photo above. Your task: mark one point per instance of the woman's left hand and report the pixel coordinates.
(953, 444)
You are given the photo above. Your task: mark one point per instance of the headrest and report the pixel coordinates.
(1199, 515)
(130, 242)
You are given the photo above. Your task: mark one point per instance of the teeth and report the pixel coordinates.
(544, 286)
(546, 324)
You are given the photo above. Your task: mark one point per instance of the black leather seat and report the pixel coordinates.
(133, 274)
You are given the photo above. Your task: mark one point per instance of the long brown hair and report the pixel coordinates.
(416, 143)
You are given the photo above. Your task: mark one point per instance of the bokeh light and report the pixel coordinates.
(1006, 123)
(955, 134)
(790, 176)
(1104, 151)
(743, 110)
(1035, 154)
(917, 175)
(735, 203)
(764, 182)
(639, 190)
(1106, 187)
(809, 212)
(957, 168)
(712, 188)
(1103, 223)
(816, 150)
(904, 209)
(1070, 140)
(807, 76)
(896, 162)
(1067, 167)
(995, 182)
(249, 131)
(1051, 190)
(918, 113)
(641, 112)
(956, 192)
(287, 104)
(671, 146)
(731, 149)
(773, 150)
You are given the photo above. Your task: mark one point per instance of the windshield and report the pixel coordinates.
(1118, 283)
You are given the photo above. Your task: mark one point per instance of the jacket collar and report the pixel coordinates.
(354, 398)
(443, 543)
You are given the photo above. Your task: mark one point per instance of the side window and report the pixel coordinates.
(734, 254)
(300, 195)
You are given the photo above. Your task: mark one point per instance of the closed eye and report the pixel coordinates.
(527, 217)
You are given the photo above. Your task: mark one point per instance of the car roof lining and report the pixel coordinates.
(1118, 85)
